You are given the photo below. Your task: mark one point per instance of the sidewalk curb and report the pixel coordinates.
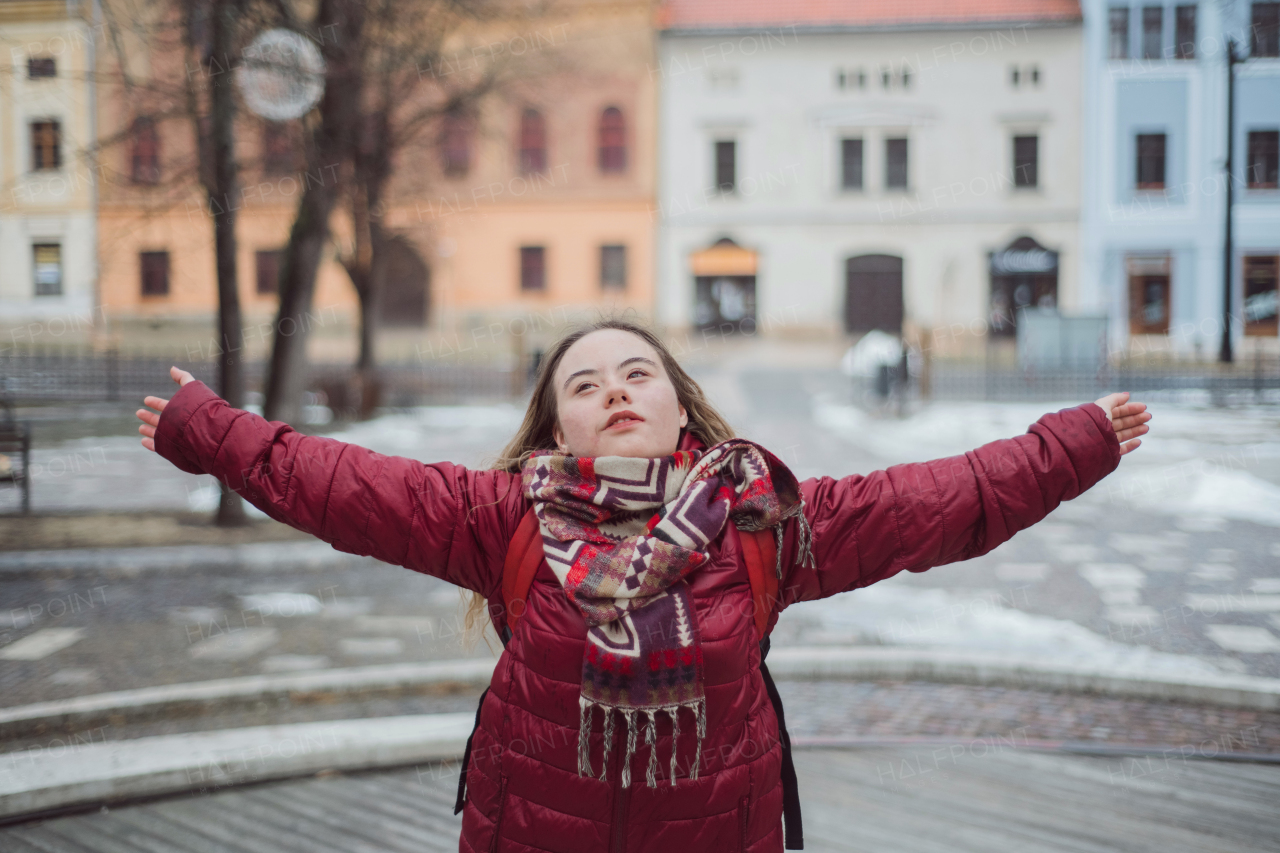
(255, 556)
(980, 668)
(206, 761)
(84, 712)
(801, 663)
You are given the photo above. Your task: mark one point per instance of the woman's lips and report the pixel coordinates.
(622, 420)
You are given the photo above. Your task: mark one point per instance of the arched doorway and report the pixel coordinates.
(873, 294)
(1023, 274)
(724, 278)
(406, 296)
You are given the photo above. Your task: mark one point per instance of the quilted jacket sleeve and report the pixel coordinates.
(443, 520)
(927, 514)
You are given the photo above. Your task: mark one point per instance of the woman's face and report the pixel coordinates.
(614, 399)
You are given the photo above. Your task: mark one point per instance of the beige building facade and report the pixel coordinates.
(48, 244)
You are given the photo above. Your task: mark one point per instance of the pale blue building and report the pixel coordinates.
(1153, 179)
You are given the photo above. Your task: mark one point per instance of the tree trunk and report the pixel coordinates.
(222, 195)
(331, 146)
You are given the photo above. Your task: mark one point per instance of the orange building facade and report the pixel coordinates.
(532, 212)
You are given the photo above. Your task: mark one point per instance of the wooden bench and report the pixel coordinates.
(15, 447)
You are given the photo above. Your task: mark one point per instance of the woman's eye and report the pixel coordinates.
(635, 372)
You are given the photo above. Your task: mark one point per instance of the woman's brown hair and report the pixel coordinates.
(540, 419)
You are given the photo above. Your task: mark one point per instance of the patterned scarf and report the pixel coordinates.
(622, 534)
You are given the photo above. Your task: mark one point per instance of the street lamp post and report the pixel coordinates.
(1225, 355)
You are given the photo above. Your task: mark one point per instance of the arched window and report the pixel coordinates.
(279, 155)
(613, 141)
(455, 144)
(146, 151)
(533, 142)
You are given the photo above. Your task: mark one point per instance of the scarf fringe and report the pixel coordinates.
(804, 547)
(650, 716)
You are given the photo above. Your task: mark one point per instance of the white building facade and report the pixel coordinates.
(825, 177)
(1155, 130)
(48, 241)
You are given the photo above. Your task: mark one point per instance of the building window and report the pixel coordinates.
(1261, 294)
(1264, 154)
(850, 79)
(1184, 18)
(1149, 295)
(47, 268)
(455, 144)
(1152, 31)
(533, 268)
(46, 145)
(1026, 150)
(42, 66)
(851, 164)
(726, 165)
(613, 267)
(1119, 44)
(278, 153)
(1151, 147)
(1265, 30)
(1035, 75)
(267, 267)
(155, 273)
(1015, 75)
(533, 142)
(895, 161)
(145, 155)
(613, 141)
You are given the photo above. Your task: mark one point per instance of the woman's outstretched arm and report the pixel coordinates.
(927, 514)
(442, 519)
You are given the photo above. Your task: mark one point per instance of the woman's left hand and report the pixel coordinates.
(1129, 420)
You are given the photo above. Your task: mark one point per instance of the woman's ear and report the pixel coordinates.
(558, 435)
(684, 416)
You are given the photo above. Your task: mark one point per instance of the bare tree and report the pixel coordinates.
(404, 99)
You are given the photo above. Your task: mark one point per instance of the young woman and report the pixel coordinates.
(640, 492)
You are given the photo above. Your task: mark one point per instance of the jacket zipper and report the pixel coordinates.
(502, 807)
(744, 806)
(621, 799)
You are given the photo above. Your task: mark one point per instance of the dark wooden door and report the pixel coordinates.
(873, 294)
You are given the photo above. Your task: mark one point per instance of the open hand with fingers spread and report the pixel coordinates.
(1129, 420)
(151, 420)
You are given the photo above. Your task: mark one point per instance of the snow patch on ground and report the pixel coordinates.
(899, 614)
(1196, 461)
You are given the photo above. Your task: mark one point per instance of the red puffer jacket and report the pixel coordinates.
(524, 791)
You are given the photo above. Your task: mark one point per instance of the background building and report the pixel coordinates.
(511, 217)
(47, 185)
(1154, 188)
(842, 168)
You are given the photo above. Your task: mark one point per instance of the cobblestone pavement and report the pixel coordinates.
(1191, 584)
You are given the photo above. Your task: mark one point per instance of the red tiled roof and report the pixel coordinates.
(852, 14)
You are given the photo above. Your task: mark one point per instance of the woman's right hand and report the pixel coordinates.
(151, 420)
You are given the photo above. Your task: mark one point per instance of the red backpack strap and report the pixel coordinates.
(760, 551)
(524, 555)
